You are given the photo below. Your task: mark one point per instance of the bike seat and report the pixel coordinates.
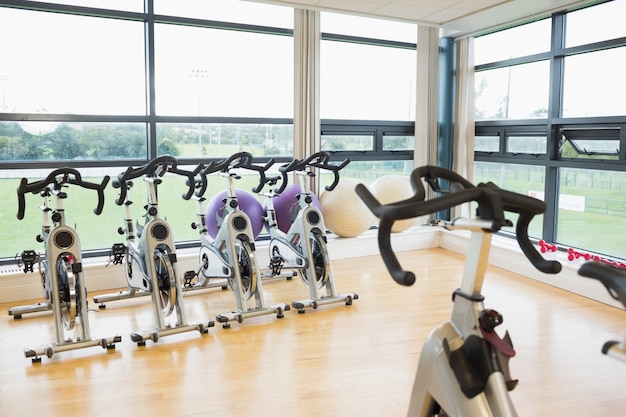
(613, 278)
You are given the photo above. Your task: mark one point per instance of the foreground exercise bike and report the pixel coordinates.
(614, 279)
(303, 247)
(232, 254)
(150, 260)
(463, 368)
(61, 269)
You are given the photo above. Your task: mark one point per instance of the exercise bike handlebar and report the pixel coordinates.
(492, 203)
(244, 160)
(200, 182)
(157, 167)
(317, 160)
(58, 178)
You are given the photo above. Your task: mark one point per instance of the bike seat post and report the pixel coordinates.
(476, 261)
(45, 208)
(303, 179)
(151, 184)
(59, 218)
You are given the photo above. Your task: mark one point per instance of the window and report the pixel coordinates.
(592, 143)
(524, 179)
(591, 209)
(62, 72)
(367, 94)
(513, 92)
(362, 79)
(553, 126)
(366, 82)
(216, 140)
(196, 80)
(594, 24)
(222, 73)
(234, 11)
(529, 39)
(603, 96)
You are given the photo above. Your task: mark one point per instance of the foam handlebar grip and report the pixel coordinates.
(535, 258)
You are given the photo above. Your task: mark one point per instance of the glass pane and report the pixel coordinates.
(487, 143)
(590, 143)
(607, 21)
(52, 70)
(398, 143)
(41, 141)
(220, 140)
(368, 171)
(96, 231)
(517, 92)
(342, 24)
(506, 44)
(347, 142)
(237, 74)
(228, 11)
(523, 179)
(127, 5)
(592, 206)
(534, 145)
(364, 82)
(593, 84)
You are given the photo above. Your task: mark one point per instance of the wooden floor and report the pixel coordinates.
(356, 361)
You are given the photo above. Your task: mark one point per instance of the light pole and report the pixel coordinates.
(199, 75)
(4, 79)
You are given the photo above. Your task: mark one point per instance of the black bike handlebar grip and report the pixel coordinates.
(191, 179)
(261, 170)
(121, 182)
(21, 202)
(100, 189)
(535, 258)
(399, 275)
(335, 170)
(527, 207)
(200, 179)
(284, 170)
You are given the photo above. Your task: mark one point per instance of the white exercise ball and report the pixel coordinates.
(345, 214)
(391, 189)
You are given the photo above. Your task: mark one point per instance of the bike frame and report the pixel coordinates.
(156, 242)
(63, 254)
(294, 249)
(460, 341)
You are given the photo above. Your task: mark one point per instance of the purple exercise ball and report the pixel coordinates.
(247, 203)
(285, 205)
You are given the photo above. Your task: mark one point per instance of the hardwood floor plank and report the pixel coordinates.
(344, 361)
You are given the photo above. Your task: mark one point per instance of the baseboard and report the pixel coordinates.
(101, 275)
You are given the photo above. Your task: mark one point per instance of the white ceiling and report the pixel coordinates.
(455, 17)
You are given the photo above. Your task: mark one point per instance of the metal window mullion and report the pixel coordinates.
(150, 80)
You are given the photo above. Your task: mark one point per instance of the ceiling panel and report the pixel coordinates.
(455, 17)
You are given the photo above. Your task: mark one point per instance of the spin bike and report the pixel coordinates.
(150, 261)
(463, 368)
(614, 280)
(61, 270)
(303, 247)
(231, 254)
